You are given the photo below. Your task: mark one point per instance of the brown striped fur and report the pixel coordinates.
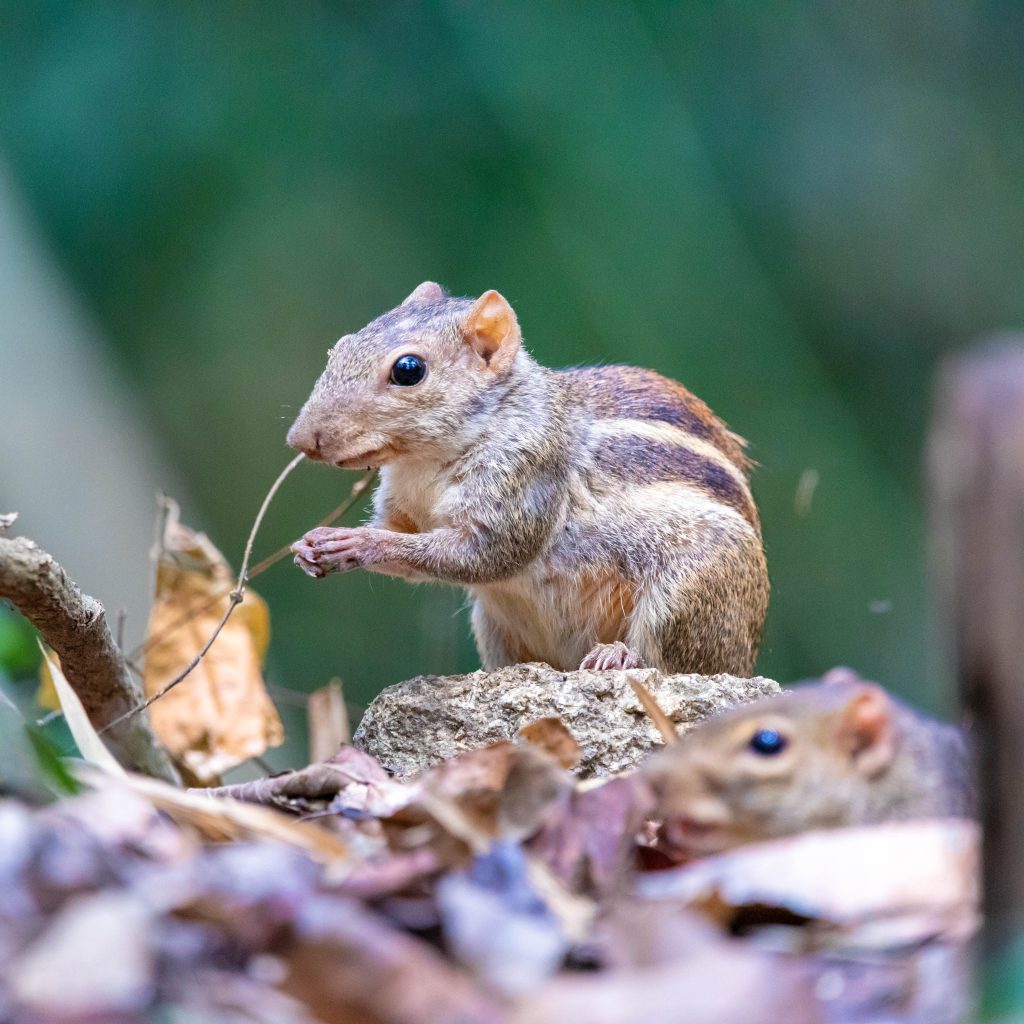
(641, 460)
(578, 507)
(631, 392)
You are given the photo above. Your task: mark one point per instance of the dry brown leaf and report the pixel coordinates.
(550, 734)
(347, 966)
(221, 714)
(328, 722)
(501, 790)
(878, 886)
(221, 819)
(474, 784)
(722, 985)
(351, 782)
(589, 844)
(90, 744)
(46, 692)
(661, 721)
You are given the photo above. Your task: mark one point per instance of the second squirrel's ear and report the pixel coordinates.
(492, 330)
(866, 729)
(841, 676)
(429, 291)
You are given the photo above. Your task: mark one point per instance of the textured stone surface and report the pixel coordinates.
(415, 724)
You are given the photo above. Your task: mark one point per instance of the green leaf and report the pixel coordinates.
(30, 767)
(19, 655)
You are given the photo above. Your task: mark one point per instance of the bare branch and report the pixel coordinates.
(75, 626)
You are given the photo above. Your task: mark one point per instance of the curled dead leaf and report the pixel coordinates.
(328, 721)
(221, 819)
(550, 734)
(90, 744)
(222, 715)
(878, 886)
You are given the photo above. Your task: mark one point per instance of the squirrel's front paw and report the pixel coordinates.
(329, 549)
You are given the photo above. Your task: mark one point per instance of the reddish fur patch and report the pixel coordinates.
(631, 392)
(399, 522)
(608, 602)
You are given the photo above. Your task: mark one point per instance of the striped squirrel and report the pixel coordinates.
(835, 753)
(599, 518)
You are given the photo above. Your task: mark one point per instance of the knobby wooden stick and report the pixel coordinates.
(75, 626)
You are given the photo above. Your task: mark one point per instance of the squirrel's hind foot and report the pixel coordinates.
(608, 657)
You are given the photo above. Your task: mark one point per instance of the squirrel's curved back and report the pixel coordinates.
(647, 429)
(631, 392)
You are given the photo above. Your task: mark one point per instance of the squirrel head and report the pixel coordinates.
(805, 759)
(409, 381)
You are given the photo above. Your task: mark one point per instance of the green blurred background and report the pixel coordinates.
(792, 208)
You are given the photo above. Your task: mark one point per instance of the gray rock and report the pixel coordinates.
(413, 725)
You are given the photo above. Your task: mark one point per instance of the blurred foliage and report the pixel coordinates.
(792, 208)
(32, 768)
(19, 652)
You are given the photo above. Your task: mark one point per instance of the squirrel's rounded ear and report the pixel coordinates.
(866, 729)
(429, 291)
(492, 330)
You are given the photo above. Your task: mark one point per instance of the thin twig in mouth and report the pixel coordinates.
(358, 489)
(237, 594)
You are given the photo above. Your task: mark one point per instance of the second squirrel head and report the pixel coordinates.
(408, 381)
(805, 759)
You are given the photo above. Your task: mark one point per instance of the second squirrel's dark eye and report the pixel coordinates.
(408, 370)
(767, 742)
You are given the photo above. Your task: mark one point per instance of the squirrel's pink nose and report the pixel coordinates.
(305, 441)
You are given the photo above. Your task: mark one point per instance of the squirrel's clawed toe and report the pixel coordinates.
(309, 568)
(610, 657)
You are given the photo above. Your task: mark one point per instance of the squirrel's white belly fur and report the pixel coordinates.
(421, 491)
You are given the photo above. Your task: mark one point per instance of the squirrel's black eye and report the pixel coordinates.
(767, 742)
(408, 370)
